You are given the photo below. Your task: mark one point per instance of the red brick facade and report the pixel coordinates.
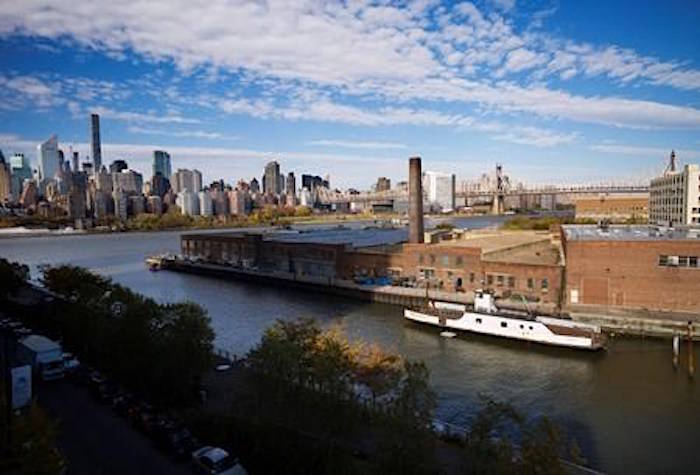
(629, 274)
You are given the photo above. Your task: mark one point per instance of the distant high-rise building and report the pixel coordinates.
(75, 162)
(95, 145)
(383, 184)
(206, 206)
(237, 202)
(311, 182)
(128, 181)
(159, 185)
(154, 205)
(188, 203)
(121, 204)
(291, 188)
(47, 158)
(674, 198)
(30, 194)
(20, 170)
(254, 186)
(440, 190)
(5, 180)
(77, 198)
(186, 180)
(117, 166)
(161, 163)
(271, 179)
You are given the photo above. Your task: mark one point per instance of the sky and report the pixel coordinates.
(558, 92)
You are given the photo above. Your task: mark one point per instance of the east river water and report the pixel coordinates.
(629, 411)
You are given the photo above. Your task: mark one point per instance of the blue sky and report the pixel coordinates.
(574, 92)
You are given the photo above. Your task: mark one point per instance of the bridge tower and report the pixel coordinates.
(499, 193)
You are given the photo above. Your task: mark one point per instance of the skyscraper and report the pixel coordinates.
(186, 180)
(440, 190)
(291, 187)
(47, 157)
(117, 166)
(161, 163)
(271, 179)
(19, 171)
(95, 142)
(5, 182)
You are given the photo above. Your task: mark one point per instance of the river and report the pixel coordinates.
(629, 411)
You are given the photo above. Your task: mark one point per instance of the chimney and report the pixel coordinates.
(415, 201)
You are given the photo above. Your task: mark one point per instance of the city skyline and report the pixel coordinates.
(550, 94)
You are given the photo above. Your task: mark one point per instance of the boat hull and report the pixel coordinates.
(514, 328)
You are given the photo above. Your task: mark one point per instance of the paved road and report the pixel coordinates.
(98, 442)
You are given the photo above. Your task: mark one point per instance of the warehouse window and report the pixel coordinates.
(445, 260)
(530, 283)
(500, 281)
(420, 258)
(693, 261)
(432, 258)
(459, 260)
(545, 285)
(489, 279)
(663, 260)
(511, 281)
(471, 277)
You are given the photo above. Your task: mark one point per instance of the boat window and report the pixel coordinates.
(530, 328)
(478, 320)
(521, 327)
(504, 324)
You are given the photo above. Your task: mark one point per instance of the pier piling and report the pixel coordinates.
(691, 358)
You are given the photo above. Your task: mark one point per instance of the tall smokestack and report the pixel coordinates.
(415, 201)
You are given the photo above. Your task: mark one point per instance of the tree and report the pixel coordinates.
(416, 401)
(380, 371)
(33, 450)
(12, 276)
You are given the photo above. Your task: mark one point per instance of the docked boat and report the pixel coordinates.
(485, 318)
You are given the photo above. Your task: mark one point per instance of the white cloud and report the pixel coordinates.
(356, 144)
(643, 151)
(199, 134)
(418, 51)
(128, 116)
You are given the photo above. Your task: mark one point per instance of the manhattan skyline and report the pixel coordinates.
(555, 92)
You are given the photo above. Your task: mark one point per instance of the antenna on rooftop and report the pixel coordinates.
(671, 167)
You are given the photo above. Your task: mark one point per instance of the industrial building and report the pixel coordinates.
(674, 198)
(641, 267)
(618, 207)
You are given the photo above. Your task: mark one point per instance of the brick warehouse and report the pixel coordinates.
(632, 267)
(525, 263)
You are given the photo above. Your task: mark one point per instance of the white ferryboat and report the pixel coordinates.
(487, 319)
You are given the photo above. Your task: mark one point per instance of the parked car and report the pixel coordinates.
(123, 403)
(174, 439)
(144, 417)
(107, 391)
(70, 363)
(216, 461)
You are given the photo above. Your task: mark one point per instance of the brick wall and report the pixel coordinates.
(628, 274)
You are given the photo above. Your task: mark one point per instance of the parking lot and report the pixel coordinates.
(97, 441)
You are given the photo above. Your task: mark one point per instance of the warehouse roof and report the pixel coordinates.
(574, 232)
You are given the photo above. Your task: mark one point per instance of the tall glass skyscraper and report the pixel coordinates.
(96, 147)
(161, 164)
(21, 170)
(47, 157)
